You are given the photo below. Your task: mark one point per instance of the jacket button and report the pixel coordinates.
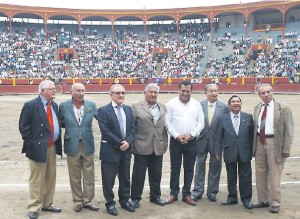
(41, 134)
(39, 143)
(42, 124)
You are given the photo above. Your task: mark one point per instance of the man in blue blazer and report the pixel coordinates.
(117, 129)
(42, 141)
(235, 136)
(76, 116)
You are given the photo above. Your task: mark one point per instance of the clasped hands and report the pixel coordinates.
(184, 139)
(124, 146)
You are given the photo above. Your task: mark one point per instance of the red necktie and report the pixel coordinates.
(263, 125)
(50, 120)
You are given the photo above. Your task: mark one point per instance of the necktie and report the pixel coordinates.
(50, 120)
(262, 125)
(236, 124)
(210, 113)
(120, 120)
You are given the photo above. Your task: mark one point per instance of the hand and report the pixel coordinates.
(285, 155)
(218, 156)
(124, 146)
(182, 139)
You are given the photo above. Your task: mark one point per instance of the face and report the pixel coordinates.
(118, 95)
(185, 93)
(151, 96)
(265, 94)
(235, 105)
(212, 93)
(78, 93)
(49, 93)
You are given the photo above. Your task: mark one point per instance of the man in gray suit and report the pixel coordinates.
(151, 142)
(235, 136)
(212, 109)
(76, 116)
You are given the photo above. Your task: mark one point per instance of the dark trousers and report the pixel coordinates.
(245, 180)
(154, 165)
(188, 153)
(109, 172)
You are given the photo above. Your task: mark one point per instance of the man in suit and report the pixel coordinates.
(212, 109)
(40, 129)
(117, 129)
(235, 135)
(151, 141)
(184, 122)
(76, 116)
(274, 133)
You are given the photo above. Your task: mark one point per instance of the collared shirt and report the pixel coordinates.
(269, 127)
(155, 112)
(78, 112)
(212, 105)
(184, 118)
(233, 117)
(54, 116)
(114, 105)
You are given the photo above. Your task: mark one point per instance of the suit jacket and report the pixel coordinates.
(73, 131)
(111, 134)
(283, 129)
(235, 146)
(149, 137)
(208, 134)
(35, 130)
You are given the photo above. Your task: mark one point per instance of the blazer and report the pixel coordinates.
(73, 131)
(35, 130)
(283, 129)
(149, 137)
(208, 134)
(235, 146)
(111, 137)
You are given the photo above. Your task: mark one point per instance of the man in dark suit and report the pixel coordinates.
(212, 110)
(76, 116)
(150, 144)
(40, 129)
(117, 129)
(235, 134)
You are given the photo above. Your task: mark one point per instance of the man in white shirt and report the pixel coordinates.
(184, 122)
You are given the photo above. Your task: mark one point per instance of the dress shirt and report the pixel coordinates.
(155, 112)
(114, 105)
(232, 116)
(184, 118)
(78, 112)
(212, 105)
(55, 120)
(269, 127)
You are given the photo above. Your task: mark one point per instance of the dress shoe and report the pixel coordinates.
(171, 199)
(112, 210)
(91, 207)
(188, 200)
(157, 201)
(247, 205)
(275, 209)
(135, 203)
(261, 205)
(212, 197)
(33, 215)
(196, 198)
(128, 207)
(78, 208)
(230, 202)
(51, 209)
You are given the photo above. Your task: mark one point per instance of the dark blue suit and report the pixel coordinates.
(113, 160)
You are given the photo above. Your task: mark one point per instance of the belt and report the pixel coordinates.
(80, 139)
(267, 136)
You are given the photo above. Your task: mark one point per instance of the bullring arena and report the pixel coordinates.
(236, 46)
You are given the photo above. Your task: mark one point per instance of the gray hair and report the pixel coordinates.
(44, 85)
(210, 85)
(259, 86)
(150, 85)
(113, 87)
(73, 86)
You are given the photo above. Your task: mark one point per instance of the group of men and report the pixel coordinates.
(195, 129)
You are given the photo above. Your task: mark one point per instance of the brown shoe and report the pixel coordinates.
(189, 200)
(77, 208)
(171, 199)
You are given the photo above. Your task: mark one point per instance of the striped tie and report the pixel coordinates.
(262, 125)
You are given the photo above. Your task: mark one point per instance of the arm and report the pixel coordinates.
(61, 116)
(288, 132)
(25, 122)
(219, 140)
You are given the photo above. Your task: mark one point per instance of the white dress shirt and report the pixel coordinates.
(184, 119)
(269, 127)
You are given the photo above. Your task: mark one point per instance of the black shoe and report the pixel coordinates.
(158, 201)
(128, 207)
(52, 209)
(212, 197)
(230, 202)
(91, 207)
(135, 203)
(261, 205)
(33, 215)
(196, 198)
(247, 205)
(112, 210)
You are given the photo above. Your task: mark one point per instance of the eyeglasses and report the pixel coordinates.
(119, 92)
(51, 89)
(79, 91)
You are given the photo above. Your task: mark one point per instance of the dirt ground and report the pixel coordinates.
(15, 172)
